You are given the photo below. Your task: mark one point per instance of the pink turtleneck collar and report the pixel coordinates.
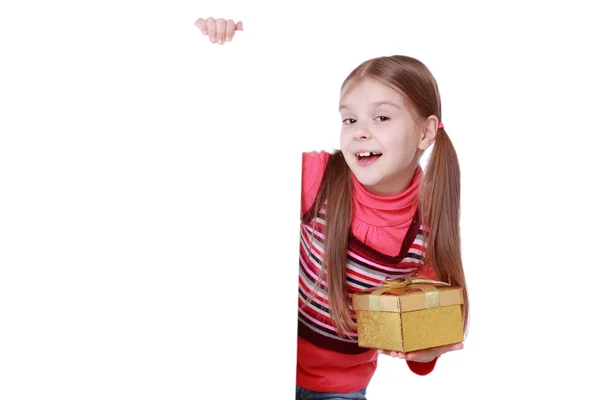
(386, 211)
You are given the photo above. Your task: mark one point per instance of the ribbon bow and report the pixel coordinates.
(432, 294)
(403, 282)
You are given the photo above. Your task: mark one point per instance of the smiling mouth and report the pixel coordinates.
(370, 155)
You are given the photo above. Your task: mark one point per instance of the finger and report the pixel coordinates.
(429, 354)
(447, 348)
(230, 30)
(425, 354)
(414, 355)
(221, 27)
(395, 354)
(239, 26)
(201, 24)
(422, 356)
(211, 26)
(458, 346)
(386, 352)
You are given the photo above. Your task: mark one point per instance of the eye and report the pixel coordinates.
(381, 116)
(348, 119)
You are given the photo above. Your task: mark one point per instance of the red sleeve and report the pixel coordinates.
(313, 167)
(421, 368)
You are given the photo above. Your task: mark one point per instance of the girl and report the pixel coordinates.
(369, 212)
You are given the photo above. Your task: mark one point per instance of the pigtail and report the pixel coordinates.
(336, 189)
(440, 204)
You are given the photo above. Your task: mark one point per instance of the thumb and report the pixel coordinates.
(239, 26)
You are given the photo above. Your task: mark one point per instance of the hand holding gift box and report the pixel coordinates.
(423, 356)
(416, 315)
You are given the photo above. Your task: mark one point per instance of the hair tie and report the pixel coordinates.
(440, 125)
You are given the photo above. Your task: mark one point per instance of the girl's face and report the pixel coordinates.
(382, 136)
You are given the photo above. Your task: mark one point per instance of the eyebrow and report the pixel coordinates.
(376, 104)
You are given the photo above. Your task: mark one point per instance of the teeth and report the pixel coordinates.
(369, 153)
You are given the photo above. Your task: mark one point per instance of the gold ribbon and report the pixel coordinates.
(432, 294)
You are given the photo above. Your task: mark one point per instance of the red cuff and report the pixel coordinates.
(421, 368)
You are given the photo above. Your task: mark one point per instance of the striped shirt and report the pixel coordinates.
(385, 241)
(365, 268)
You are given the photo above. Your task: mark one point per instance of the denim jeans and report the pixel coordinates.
(304, 394)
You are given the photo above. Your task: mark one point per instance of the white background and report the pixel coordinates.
(150, 181)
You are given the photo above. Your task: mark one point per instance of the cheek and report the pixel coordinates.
(398, 143)
(402, 149)
(344, 141)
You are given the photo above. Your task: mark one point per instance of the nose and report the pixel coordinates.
(362, 132)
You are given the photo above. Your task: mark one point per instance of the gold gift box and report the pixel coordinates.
(409, 314)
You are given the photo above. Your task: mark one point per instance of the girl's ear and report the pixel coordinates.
(429, 132)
